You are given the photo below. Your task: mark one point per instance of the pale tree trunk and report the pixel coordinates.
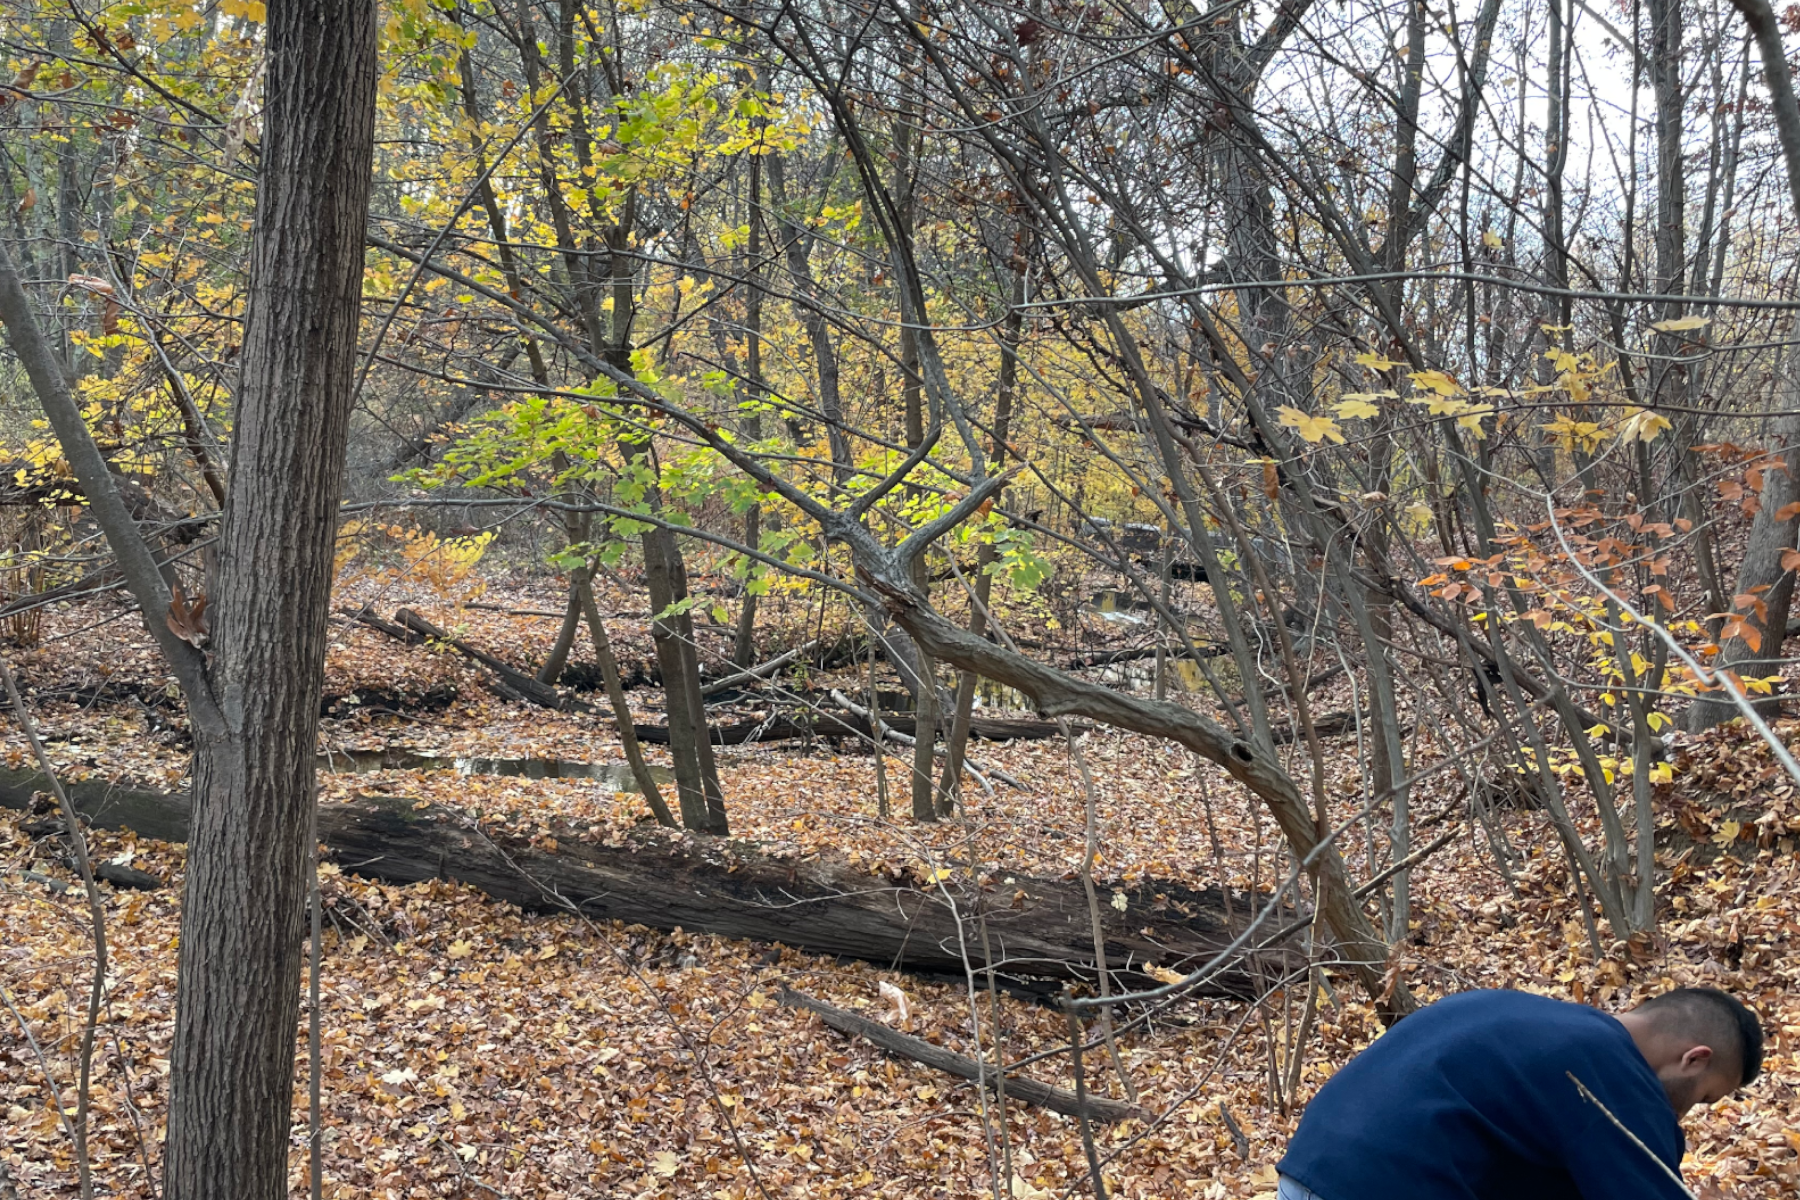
(1762, 574)
(927, 706)
(743, 645)
(956, 746)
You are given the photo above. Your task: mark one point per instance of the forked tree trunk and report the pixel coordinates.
(577, 528)
(615, 695)
(558, 658)
(243, 911)
(696, 775)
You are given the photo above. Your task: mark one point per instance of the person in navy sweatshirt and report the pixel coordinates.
(1495, 1094)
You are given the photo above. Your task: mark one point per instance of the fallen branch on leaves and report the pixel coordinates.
(887, 731)
(850, 725)
(756, 673)
(1026, 1091)
(411, 628)
(1037, 929)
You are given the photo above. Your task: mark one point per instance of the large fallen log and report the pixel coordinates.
(1038, 929)
(1028, 1091)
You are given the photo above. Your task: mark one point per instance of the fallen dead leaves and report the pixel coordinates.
(470, 1049)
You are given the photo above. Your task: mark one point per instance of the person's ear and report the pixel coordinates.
(1697, 1060)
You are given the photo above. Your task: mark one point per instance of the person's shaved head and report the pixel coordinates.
(1701, 1043)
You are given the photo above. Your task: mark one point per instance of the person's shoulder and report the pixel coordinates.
(1545, 1016)
(1506, 1000)
(1509, 1001)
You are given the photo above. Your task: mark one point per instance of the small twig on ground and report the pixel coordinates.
(468, 1179)
(131, 1108)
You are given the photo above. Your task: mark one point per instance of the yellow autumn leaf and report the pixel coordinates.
(1642, 425)
(1568, 433)
(1311, 428)
(665, 1163)
(1442, 406)
(1492, 240)
(1681, 324)
(1375, 362)
(1472, 420)
(461, 949)
(1164, 974)
(1436, 381)
(1353, 407)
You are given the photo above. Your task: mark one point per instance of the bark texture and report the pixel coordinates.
(244, 906)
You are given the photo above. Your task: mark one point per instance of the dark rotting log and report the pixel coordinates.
(1037, 928)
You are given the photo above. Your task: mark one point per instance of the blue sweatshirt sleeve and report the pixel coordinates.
(1606, 1164)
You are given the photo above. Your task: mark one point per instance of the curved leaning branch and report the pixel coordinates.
(136, 561)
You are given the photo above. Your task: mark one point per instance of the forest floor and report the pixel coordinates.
(472, 1050)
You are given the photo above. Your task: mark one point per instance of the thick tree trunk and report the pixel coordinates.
(244, 906)
(1037, 928)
